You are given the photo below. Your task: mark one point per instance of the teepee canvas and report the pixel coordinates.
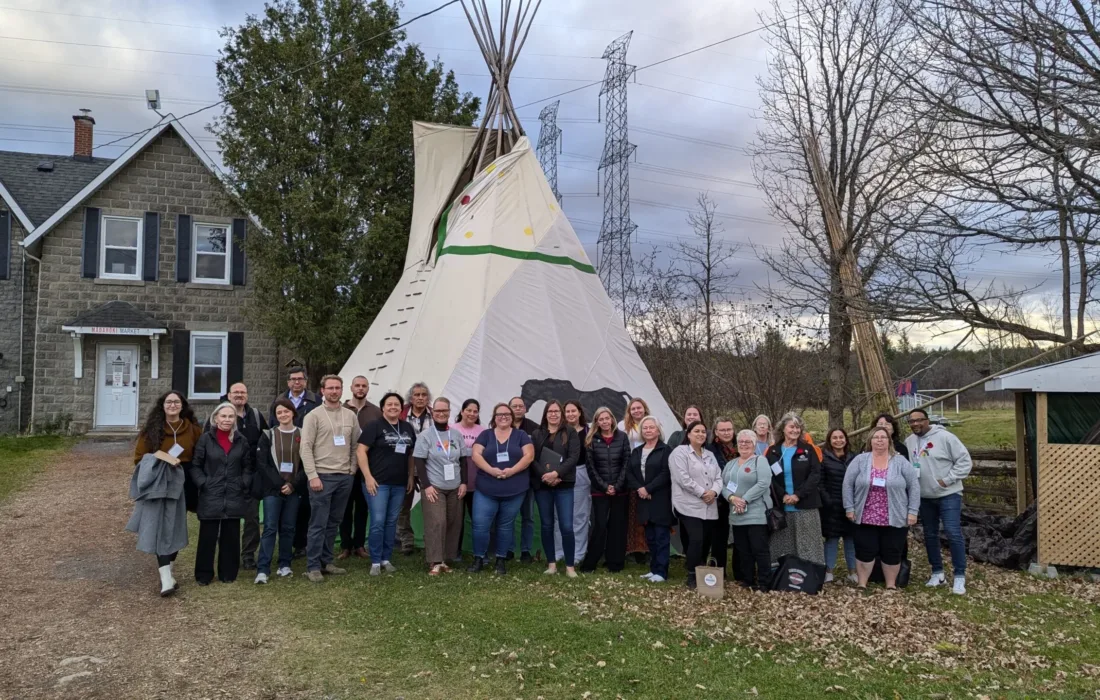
(498, 297)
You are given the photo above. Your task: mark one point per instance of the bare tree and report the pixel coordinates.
(1016, 86)
(833, 71)
(703, 266)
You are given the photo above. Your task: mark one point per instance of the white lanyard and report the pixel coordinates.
(175, 431)
(439, 441)
(337, 438)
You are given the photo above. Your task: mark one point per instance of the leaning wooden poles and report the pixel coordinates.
(872, 361)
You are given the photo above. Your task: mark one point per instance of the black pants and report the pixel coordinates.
(353, 528)
(720, 537)
(250, 533)
(754, 558)
(166, 559)
(225, 537)
(607, 534)
(885, 543)
(301, 528)
(700, 539)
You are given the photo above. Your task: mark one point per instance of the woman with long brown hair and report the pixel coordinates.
(575, 419)
(170, 427)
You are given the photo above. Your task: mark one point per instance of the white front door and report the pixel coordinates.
(116, 401)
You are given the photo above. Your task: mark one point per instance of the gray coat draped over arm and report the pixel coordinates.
(160, 513)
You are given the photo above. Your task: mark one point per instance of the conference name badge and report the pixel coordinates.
(879, 481)
(502, 457)
(732, 486)
(175, 450)
(286, 467)
(449, 471)
(339, 440)
(776, 469)
(400, 448)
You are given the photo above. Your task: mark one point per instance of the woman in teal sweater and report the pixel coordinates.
(746, 484)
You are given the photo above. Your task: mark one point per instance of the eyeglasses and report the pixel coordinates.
(444, 411)
(503, 415)
(173, 403)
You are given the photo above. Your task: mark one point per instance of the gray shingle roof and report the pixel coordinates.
(40, 194)
(116, 314)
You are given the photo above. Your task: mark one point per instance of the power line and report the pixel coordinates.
(732, 217)
(323, 59)
(698, 97)
(69, 92)
(108, 46)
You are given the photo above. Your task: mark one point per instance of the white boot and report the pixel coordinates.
(168, 584)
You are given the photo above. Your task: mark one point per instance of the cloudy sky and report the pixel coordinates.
(690, 118)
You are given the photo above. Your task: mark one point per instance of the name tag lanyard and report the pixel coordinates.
(503, 451)
(285, 466)
(176, 449)
(338, 439)
(448, 466)
(400, 447)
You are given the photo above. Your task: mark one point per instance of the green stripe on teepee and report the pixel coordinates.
(517, 254)
(441, 232)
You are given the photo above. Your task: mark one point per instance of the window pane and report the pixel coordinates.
(209, 267)
(211, 239)
(208, 380)
(120, 233)
(208, 351)
(119, 262)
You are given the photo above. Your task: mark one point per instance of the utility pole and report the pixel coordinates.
(550, 145)
(615, 262)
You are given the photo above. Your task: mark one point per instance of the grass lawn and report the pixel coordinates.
(22, 457)
(528, 635)
(987, 427)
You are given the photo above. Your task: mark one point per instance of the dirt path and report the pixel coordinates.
(79, 614)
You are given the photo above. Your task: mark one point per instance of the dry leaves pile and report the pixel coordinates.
(846, 628)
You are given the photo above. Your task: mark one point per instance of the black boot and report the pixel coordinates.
(691, 581)
(526, 558)
(477, 566)
(501, 569)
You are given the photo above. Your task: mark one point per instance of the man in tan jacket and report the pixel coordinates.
(329, 437)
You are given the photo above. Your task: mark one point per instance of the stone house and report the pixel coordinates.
(121, 279)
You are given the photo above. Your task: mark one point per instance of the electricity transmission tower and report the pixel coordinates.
(549, 145)
(615, 263)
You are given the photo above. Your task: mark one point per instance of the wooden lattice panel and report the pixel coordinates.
(1069, 494)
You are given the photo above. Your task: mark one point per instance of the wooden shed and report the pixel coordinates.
(1058, 455)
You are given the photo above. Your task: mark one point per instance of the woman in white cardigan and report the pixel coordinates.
(696, 485)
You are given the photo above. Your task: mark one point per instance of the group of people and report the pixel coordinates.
(603, 489)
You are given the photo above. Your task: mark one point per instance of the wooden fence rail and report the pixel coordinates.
(991, 486)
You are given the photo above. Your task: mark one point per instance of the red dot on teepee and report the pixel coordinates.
(465, 200)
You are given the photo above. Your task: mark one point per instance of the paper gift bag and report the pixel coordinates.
(710, 581)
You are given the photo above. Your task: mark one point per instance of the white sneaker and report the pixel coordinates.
(647, 577)
(261, 578)
(657, 578)
(937, 579)
(959, 587)
(390, 568)
(828, 577)
(375, 569)
(284, 572)
(852, 578)
(168, 584)
(551, 571)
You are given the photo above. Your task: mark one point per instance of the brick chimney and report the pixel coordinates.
(82, 134)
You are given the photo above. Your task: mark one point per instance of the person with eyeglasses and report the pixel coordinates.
(746, 486)
(440, 457)
(502, 456)
(942, 462)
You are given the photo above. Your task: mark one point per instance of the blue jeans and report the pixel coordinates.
(383, 511)
(657, 538)
(280, 518)
(832, 547)
(488, 511)
(948, 509)
(560, 500)
(527, 528)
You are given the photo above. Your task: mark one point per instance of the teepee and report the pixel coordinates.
(498, 297)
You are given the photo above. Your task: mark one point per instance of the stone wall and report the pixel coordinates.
(13, 299)
(167, 178)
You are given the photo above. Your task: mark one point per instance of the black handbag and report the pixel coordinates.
(777, 517)
(903, 572)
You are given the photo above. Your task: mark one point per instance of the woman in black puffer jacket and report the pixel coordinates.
(835, 458)
(222, 468)
(608, 454)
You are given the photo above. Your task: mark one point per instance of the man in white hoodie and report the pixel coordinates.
(942, 462)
